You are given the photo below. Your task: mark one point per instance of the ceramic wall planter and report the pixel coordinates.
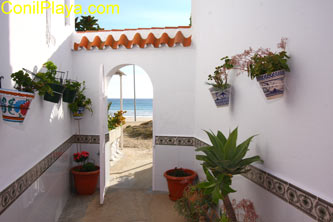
(79, 114)
(15, 104)
(57, 93)
(68, 95)
(177, 185)
(85, 182)
(221, 96)
(272, 84)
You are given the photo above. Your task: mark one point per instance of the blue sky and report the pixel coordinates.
(143, 13)
(144, 87)
(139, 14)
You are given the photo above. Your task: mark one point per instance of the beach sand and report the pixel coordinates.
(137, 142)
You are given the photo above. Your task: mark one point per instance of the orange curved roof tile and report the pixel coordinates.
(137, 40)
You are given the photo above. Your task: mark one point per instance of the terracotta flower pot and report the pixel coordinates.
(85, 182)
(176, 185)
(221, 96)
(15, 104)
(272, 84)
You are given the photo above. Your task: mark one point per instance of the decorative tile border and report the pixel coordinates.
(14, 190)
(308, 203)
(87, 139)
(174, 140)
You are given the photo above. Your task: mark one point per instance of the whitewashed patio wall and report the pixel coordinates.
(171, 71)
(23, 43)
(295, 131)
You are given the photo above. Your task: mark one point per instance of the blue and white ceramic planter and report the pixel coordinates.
(272, 84)
(221, 96)
(15, 104)
(79, 114)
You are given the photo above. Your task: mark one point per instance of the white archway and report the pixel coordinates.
(107, 78)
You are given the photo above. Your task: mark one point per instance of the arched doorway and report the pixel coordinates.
(131, 166)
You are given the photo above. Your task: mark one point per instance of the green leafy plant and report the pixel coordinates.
(194, 204)
(220, 76)
(87, 23)
(117, 119)
(46, 78)
(268, 63)
(178, 172)
(81, 101)
(23, 81)
(221, 161)
(262, 61)
(73, 85)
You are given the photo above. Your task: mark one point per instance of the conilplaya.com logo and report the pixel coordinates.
(40, 7)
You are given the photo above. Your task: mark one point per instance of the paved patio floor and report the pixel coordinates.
(129, 199)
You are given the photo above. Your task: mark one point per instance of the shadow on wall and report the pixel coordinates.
(4, 46)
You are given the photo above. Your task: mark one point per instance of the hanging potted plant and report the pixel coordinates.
(266, 66)
(71, 88)
(80, 103)
(221, 89)
(48, 85)
(85, 175)
(15, 103)
(178, 179)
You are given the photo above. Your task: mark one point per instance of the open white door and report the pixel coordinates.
(102, 131)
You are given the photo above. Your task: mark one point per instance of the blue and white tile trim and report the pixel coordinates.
(308, 203)
(14, 190)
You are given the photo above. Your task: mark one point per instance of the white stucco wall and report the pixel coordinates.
(171, 71)
(47, 125)
(293, 131)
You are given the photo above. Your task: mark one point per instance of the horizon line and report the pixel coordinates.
(130, 98)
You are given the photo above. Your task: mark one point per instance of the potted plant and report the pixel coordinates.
(15, 103)
(266, 66)
(221, 161)
(85, 175)
(48, 85)
(80, 103)
(196, 206)
(116, 120)
(178, 179)
(71, 88)
(221, 89)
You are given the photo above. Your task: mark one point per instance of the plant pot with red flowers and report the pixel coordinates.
(85, 175)
(15, 103)
(178, 179)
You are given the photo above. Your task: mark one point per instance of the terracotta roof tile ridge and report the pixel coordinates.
(123, 40)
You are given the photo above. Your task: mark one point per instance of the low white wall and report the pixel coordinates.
(294, 131)
(45, 199)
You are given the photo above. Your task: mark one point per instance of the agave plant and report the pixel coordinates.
(221, 161)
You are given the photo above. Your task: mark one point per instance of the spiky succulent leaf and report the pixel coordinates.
(230, 144)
